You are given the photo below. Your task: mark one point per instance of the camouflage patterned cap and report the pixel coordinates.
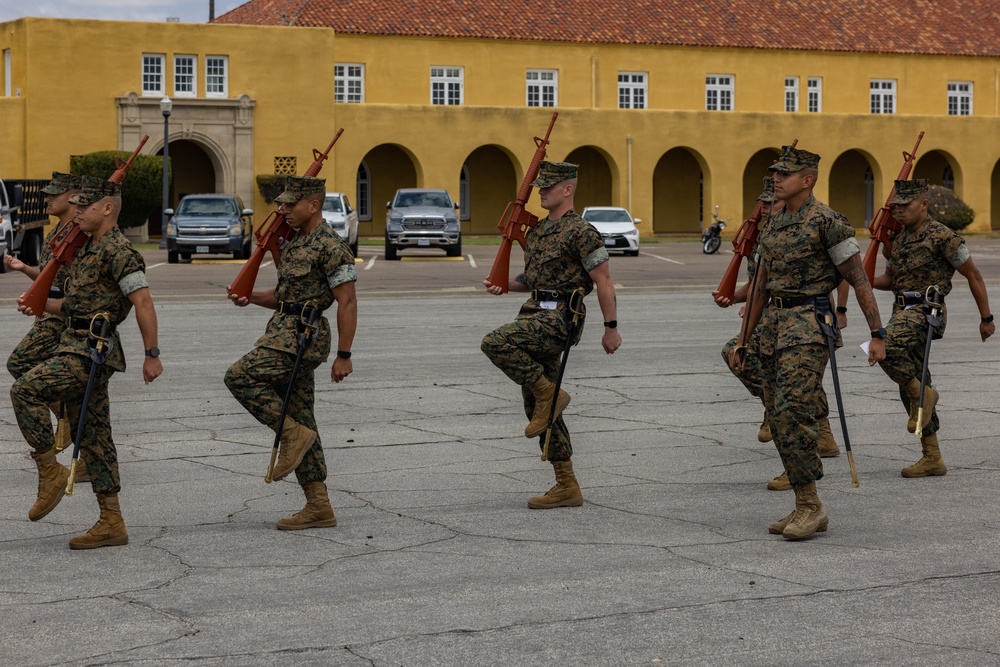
(793, 160)
(60, 183)
(297, 187)
(908, 191)
(768, 194)
(550, 173)
(93, 189)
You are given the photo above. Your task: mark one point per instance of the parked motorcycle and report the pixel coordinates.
(711, 238)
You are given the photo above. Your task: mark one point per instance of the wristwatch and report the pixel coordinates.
(153, 352)
(880, 333)
(344, 354)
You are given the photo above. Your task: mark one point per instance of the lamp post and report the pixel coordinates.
(165, 105)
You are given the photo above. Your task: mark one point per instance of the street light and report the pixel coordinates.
(165, 105)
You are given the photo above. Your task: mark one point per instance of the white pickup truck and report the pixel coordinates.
(22, 220)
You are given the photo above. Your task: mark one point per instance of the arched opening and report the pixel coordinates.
(754, 174)
(363, 194)
(851, 187)
(678, 192)
(389, 167)
(596, 182)
(192, 173)
(939, 168)
(995, 197)
(488, 183)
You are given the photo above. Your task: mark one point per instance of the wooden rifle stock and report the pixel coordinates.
(883, 225)
(74, 239)
(515, 220)
(273, 233)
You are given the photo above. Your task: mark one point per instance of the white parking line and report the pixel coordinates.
(665, 259)
(153, 266)
(371, 263)
(472, 261)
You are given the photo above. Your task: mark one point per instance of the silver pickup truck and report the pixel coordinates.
(422, 218)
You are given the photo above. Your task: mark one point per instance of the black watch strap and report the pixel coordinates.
(988, 319)
(613, 324)
(344, 354)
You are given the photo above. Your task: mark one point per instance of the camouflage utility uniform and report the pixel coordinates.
(312, 265)
(99, 280)
(921, 258)
(801, 251)
(558, 256)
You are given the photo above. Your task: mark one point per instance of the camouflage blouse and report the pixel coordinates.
(924, 257)
(98, 280)
(311, 266)
(801, 251)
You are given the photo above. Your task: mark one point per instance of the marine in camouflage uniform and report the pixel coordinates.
(316, 269)
(925, 253)
(106, 277)
(804, 250)
(562, 253)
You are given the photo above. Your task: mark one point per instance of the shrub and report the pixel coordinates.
(142, 189)
(948, 209)
(270, 186)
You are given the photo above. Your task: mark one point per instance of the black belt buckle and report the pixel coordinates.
(546, 295)
(288, 308)
(778, 302)
(910, 299)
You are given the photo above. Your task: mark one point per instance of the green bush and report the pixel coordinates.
(948, 209)
(142, 189)
(270, 186)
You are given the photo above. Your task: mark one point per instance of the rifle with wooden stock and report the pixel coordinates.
(883, 226)
(743, 245)
(64, 251)
(515, 220)
(273, 233)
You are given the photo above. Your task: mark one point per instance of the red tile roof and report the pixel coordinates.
(947, 27)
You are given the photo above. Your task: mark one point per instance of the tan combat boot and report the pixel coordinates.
(912, 389)
(827, 445)
(109, 531)
(764, 434)
(296, 440)
(930, 464)
(543, 389)
(808, 517)
(316, 514)
(566, 492)
(779, 483)
(52, 477)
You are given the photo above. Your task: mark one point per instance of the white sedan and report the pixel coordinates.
(617, 227)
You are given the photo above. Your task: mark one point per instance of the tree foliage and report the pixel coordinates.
(270, 186)
(945, 207)
(142, 189)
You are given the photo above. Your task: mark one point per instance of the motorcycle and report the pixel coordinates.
(711, 238)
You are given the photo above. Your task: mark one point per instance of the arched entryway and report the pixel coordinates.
(939, 168)
(193, 172)
(388, 167)
(489, 183)
(754, 174)
(678, 192)
(852, 187)
(596, 178)
(995, 197)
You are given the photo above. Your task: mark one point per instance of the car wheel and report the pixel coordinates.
(186, 256)
(390, 250)
(31, 252)
(247, 249)
(354, 248)
(171, 257)
(632, 253)
(455, 250)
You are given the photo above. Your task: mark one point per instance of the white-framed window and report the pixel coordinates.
(349, 83)
(719, 90)
(185, 76)
(152, 74)
(959, 98)
(216, 76)
(791, 93)
(814, 85)
(364, 193)
(448, 86)
(883, 96)
(542, 87)
(633, 90)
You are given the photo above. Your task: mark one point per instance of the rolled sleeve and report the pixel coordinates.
(595, 259)
(344, 273)
(133, 282)
(844, 250)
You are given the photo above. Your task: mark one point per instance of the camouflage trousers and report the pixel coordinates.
(37, 345)
(64, 377)
(795, 401)
(904, 357)
(751, 375)
(525, 350)
(258, 380)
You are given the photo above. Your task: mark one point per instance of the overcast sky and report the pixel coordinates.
(188, 11)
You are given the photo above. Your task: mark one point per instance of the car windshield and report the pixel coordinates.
(607, 215)
(207, 207)
(332, 205)
(438, 199)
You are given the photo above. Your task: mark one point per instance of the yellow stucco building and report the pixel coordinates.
(669, 130)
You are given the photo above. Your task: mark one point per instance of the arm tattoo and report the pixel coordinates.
(854, 273)
(521, 278)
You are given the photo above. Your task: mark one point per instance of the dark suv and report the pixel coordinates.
(209, 224)
(422, 218)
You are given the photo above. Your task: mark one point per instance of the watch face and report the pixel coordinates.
(153, 352)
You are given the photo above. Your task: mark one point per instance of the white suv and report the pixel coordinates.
(343, 219)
